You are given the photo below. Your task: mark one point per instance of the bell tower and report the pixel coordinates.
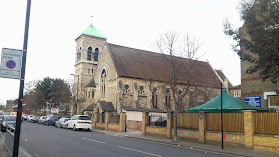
(89, 45)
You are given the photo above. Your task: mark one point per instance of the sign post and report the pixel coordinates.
(10, 63)
(22, 75)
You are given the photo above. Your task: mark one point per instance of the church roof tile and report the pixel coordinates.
(135, 63)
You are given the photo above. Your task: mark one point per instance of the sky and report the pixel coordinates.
(55, 24)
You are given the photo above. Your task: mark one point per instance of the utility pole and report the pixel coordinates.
(20, 97)
(222, 115)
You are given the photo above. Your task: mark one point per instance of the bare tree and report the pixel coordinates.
(180, 70)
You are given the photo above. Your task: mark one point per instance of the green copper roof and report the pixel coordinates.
(92, 31)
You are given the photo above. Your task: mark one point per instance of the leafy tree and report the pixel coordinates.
(258, 40)
(48, 93)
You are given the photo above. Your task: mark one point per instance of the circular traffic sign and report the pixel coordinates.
(10, 64)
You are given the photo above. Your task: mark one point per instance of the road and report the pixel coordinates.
(47, 141)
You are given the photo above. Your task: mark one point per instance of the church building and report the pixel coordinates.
(116, 78)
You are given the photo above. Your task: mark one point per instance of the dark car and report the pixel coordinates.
(51, 121)
(35, 119)
(7, 120)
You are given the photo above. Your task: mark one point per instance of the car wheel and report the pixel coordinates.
(74, 128)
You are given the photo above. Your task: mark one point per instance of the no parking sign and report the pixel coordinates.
(10, 63)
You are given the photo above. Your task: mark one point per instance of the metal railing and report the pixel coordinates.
(9, 139)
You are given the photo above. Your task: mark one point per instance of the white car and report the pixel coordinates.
(79, 122)
(29, 118)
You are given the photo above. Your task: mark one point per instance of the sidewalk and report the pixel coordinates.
(234, 151)
(3, 150)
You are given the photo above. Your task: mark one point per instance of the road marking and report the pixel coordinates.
(186, 147)
(24, 152)
(93, 140)
(139, 151)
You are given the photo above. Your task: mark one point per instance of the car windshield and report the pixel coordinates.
(10, 118)
(84, 118)
(44, 117)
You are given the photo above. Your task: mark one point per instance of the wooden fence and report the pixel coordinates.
(232, 122)
(267, 123)
(188, 120)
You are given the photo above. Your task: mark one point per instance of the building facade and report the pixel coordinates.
(116, 78)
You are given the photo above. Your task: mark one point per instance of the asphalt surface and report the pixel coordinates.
(47, 141)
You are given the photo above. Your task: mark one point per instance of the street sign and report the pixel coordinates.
(253, 101)
(10, 63)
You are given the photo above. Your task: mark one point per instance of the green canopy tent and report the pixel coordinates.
(230, 105)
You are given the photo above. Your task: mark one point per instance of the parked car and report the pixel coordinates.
(42, 120)
(7, 120)
(35, 119)
(1, 118)
(79, 122)
(51, 120)
(29, 118)
(25, 116)
(62, 122)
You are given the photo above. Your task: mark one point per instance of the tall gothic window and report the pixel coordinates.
(154, 97)
(180, 105)
(103, 84)
(89, 52)
(96, 54)
(168, 98)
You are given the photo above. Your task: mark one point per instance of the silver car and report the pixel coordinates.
(7, 120)
(62, 122)
(42, 119)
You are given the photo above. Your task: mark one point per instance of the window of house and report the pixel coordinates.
(179, 100)
(154, 97)
(89, 52)
(237, 93)
(92, 93)
(273, 101)
(126, 88)
(92, 71)
(141, 90)
(167, 98)
(96, 54)
(85, 93)
(103, 84)
(89, 94)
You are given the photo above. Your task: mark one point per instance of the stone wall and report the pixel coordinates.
(137, 92)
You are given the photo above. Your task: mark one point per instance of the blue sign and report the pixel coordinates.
(253, 101)
(201, 116)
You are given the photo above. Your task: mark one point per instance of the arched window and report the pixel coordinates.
(89, 52)
(89, 94)
(103, 84)
(168, 98)
(96, 54)
(154, 97)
